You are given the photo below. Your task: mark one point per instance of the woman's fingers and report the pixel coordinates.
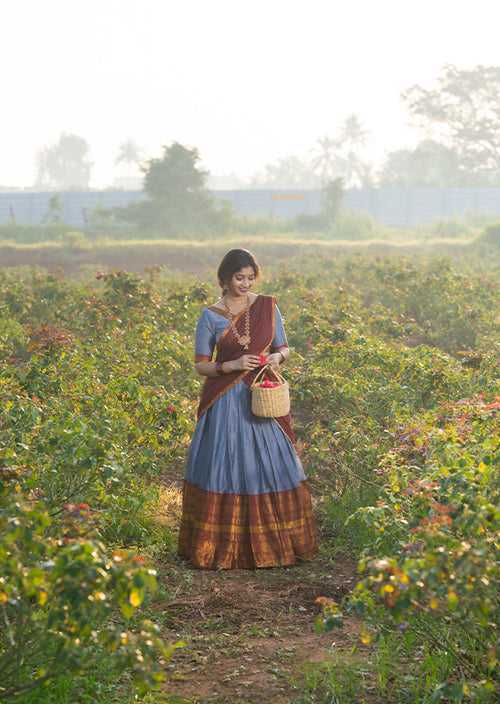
(251, 361)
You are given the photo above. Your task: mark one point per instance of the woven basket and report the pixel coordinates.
(273, 402)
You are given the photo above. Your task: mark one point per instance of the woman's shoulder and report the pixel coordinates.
(210, 314)
(204, 315)
(216, 304)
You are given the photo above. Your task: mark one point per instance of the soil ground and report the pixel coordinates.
(201, 257)
(248, 633)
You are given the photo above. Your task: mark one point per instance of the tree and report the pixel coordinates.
(178, 200)
(129, 153)
(175, 176)
(287, 172)
(351, 140)
(54, 212)
(326, 160)
(429, 164)
(339, 156)
(463, 114)
(64, 165)
(332, 194)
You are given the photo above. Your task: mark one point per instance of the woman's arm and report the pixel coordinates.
(246, 362)
(208, 368)
(205, 343)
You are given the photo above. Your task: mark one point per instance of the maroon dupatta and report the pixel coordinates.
(262, 328)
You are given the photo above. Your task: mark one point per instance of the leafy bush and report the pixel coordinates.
(450, 228)
(29, 234)
(60, 591)
(349, 225)
(490, 238)
(431, 569)
(309, 223)
(98, 398)
(13, 338)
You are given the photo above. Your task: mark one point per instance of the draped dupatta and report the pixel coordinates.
(262, 329)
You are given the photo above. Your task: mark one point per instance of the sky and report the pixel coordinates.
(246, 83)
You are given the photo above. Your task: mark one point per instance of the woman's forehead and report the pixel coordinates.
(245, 270)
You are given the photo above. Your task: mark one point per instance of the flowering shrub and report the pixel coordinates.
(60, 592)
(97, 404)
(433, 566)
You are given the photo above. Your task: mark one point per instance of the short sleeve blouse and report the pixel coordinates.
(280, 339)
(205, 337)
(210, 326)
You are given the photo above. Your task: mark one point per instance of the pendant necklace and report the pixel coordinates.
(244, 339)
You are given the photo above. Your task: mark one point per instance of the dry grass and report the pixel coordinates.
(169, 506)
(286, 239)
(198, 257)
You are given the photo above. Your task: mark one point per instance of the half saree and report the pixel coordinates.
(246, 501)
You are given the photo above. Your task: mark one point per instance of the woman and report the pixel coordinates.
(246, 500)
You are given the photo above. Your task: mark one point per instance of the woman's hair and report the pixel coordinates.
(233, 261)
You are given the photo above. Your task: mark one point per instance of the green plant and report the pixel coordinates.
(177, 199)
(433, 566)
(59, 597)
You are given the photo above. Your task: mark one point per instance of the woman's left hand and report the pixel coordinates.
(274, 359)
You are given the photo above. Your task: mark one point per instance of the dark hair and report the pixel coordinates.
(233, 261)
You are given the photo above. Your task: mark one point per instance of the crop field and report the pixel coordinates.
(394, 382)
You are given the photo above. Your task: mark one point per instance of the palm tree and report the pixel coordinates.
(353, 137)
(326, 161)
(129, 153)
(352, 133)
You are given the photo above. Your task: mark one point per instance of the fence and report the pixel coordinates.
(401, 207)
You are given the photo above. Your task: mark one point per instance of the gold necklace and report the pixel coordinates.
(244, 339)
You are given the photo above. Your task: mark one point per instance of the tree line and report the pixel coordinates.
(459, 123)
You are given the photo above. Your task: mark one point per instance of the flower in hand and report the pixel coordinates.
(262, 359)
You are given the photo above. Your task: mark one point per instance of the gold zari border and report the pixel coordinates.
(235, 528)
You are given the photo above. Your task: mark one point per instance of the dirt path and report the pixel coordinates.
(248, 632)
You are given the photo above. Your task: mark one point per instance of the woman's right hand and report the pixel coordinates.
(247, 361)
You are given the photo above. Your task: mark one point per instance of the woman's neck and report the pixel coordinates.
(229, 298)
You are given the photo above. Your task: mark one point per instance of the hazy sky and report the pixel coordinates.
(244, 82)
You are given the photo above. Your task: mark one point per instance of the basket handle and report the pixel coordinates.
(267, 367)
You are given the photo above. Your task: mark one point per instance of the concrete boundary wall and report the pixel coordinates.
(403, 207)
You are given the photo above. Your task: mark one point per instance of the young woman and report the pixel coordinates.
(246, 500)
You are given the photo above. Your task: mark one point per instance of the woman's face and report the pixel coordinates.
(241, 282)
